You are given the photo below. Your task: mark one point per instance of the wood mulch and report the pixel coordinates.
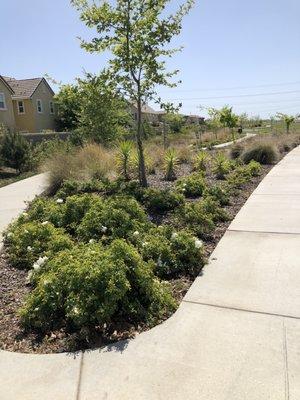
(13, 290)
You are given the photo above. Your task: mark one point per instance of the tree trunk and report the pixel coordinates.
(165, 134)
(142, 168)
(232, 134)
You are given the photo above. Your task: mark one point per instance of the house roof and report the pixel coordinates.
(6, 84)
(24, 88)
(147, 109)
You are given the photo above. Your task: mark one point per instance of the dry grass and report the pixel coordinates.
(91, 161)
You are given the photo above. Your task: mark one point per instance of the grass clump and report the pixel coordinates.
(264, 153)
(84, 164)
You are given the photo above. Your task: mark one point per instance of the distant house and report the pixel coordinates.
(193, 119)
(26, 105)
(148, 113)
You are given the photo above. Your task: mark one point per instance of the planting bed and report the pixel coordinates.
(50, 265)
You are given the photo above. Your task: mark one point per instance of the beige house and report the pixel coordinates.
(26, 105)
(148, 113)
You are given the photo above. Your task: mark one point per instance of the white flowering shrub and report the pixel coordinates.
(90, 285)
(193, 185)
(174, 253)
(29, 241)
(116, 217)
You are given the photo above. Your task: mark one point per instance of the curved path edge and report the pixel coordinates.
(235, 336)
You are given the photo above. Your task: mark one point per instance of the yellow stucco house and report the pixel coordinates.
(26, 105)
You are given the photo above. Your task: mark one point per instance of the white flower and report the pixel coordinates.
(59, 201)
(41, 261)
(26, 231)
(183, 189)
(29, 248)
(36, 267)
(29, 276)
(103, 228)
(144, 244)
(45, 222)
(198, 243)
(92, 241)
(36, 309)
(24, 214)
(174, 235)
(184, 184)
(136, 233)
(10, 234)
(75, 310)
(46, 282)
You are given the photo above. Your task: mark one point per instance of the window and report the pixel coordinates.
(39, 106)
(51, 107)
(2, 102)
(21, 108)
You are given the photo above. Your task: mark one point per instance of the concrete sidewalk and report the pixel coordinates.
(236, 335)
(13, 198)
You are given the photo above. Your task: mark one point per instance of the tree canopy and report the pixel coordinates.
(137, 35)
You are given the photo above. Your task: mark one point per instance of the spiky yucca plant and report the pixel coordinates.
(200, 161)
(125, 150)
(171, 162)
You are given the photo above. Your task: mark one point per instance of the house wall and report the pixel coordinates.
(24, 122)
(45, 120)
(7, 117)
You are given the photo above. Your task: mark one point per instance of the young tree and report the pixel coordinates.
(137, 34)
(103, 115)
(228, 119)
(287, 119)
(68, 105)
(214, 123)
(243, 120)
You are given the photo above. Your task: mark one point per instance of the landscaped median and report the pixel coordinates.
(100, 259)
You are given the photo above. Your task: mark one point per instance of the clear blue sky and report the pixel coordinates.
(232, 48)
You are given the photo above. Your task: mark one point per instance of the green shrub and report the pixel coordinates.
(174, 253)
(27, 242)
(88, 286)
(75, 209)
(132, 188)
(71, 187)
(162, 200)
(239, 177)
(45, 209)
(15, 152)
(260, 152)
(254, 168)
(212, 208)
(117, 217)
(219, 193)
(193, 185)
(197, 219)
(221, 166)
